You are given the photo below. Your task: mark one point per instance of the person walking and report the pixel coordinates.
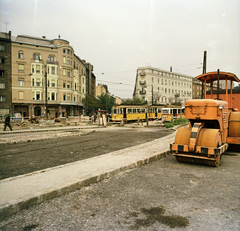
(7, 123)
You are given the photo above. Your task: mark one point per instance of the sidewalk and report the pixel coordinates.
(23, 191)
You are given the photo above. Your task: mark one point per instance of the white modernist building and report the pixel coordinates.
(157, 86)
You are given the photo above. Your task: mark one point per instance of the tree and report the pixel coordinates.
(91, 103)
(156, 97)
(134, 101)
(106, 102)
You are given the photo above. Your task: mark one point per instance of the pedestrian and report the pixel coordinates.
(7, 123)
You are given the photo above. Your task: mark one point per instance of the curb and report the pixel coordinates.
(9, 208)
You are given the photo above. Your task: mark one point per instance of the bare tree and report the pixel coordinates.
(156, 97)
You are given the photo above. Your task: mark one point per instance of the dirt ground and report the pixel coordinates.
(26, 157)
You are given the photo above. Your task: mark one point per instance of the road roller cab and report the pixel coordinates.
(213, 125)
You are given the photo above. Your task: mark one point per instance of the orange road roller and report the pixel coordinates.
(214, 124)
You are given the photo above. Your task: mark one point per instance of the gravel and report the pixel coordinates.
(162, 195)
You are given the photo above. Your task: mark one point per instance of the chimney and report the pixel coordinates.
(170, 68)
(43, 37)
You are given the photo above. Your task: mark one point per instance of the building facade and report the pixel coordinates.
(5, 74)
(157, 86)
(48, 78)
(197, 88)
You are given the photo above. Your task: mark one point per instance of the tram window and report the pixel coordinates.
(159, 110)
(129, 110)
(114, 111)
(165, 111)
(120, 111)
(139, 110)
(171, 111)
(134, 110)
(143, 110)
(179, 111)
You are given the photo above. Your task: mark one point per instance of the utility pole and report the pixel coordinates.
(152, 94)
(46, 94)
(204, 69)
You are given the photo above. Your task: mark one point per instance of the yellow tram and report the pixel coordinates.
(141, 112)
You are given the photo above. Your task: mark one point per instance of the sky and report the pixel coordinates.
(118, 36)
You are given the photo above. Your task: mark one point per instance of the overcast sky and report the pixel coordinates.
(118, 36)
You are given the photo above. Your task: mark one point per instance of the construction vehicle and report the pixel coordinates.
(214, 125)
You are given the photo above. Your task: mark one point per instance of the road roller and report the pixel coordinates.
(214, 124)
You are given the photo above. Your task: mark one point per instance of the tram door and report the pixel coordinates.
(174, 113)
(124, 113)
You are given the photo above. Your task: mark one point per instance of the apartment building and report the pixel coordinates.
(157, 86)
(197, 88)
(5, 74)
(48, 78)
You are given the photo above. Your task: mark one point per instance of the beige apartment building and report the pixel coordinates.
(197, 88)
(48, 79)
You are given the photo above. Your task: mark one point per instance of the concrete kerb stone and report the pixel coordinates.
(9, 208)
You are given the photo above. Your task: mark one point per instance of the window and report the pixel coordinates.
(64, 51)
(68, 61)
(64, 71)
(2, 47)
(1, 73)
(53, 96)
(2, 60)
(20, 95)
(20, 54)
(33, 82)
(51, 58)
(20, 82)
(2, 85)
(2, 98)
(20, 67)
(75, 86)
(64, 59)
(68, 97)
(64, 84)
(36, 56)
(38, 68)
(68, 51)
(68, 73)
(83, 80)
(53, 70)
(53, 83)
(68, 84)
(38, 82)
(37, 95)
(64, 97)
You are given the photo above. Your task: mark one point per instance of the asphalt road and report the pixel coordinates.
(162, 195)
(21, 158)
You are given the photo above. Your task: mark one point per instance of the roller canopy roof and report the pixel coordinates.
(212, 76)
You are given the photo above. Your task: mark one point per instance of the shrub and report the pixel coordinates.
(180, 121)
(168, 125)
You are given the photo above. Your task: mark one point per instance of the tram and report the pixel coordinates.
(141, 112)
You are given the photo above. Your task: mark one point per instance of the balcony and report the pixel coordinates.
(142, 73)
(143, 92)
(142, 82)
(52, 62)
